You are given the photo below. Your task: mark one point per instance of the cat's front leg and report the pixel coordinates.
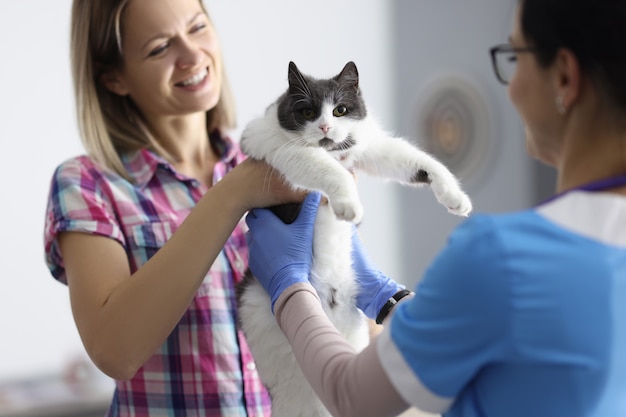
(313, 169)
(448, 192)
(397, 159)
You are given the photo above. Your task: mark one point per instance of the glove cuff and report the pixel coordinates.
(287, 276)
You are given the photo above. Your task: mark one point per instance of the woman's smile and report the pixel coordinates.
(195, 82)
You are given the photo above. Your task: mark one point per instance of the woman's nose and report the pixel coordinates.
(190, 54)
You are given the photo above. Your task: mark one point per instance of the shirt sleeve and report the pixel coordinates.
(457, 323)
(78, 203)
(349, 384)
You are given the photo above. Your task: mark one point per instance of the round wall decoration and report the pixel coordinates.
(452, 123)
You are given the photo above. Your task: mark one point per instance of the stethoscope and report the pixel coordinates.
(598, 185)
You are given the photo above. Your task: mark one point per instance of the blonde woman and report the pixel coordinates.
(146, 228)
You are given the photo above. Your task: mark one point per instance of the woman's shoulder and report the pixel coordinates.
(491, 240)
(483, 224)
(80, 173)
(79, 167)
(77, 164)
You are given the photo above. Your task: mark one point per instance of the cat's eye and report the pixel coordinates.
(308, 114)
(340, 111)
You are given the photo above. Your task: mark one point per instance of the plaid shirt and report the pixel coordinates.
(205, 367)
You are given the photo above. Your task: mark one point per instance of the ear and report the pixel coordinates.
(114, 82)
(349, 75)
(567, 77)
(297, 82)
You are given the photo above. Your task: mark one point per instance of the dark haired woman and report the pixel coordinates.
(522, 314)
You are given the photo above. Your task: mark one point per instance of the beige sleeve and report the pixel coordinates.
(349, 384)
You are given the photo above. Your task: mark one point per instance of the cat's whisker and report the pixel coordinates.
(282, 149)
(378, 168)
(285, 148)
(267, 180)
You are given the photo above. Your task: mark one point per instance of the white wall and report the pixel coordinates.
(38, 131)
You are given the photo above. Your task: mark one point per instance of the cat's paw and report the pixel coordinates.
(457, 202)
(347, 209)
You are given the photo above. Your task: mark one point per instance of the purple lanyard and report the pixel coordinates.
(599, 185)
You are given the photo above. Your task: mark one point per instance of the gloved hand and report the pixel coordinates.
(280, 254)
(375, 288)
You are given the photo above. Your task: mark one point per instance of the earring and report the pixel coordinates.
(560, 106)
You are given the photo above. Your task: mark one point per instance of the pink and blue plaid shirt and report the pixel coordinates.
(205, 367)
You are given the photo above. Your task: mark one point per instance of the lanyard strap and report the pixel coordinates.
(598, 185)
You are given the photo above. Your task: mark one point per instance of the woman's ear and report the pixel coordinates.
(114, 82)
(568, 77)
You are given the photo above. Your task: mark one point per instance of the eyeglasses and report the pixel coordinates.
(504, 60)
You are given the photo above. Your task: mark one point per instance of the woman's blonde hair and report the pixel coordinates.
(109, 123)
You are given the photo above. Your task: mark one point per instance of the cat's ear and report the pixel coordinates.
(349, 75)
(296, 80)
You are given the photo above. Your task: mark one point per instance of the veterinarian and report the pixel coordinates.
(146, 230)
(521, 314)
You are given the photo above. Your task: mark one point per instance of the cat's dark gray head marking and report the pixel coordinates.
(302, 103)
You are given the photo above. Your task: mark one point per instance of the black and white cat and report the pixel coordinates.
(316, 134)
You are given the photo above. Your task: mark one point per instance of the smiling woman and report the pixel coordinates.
(146, 229)
(141, 75)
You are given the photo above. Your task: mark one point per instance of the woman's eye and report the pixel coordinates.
(512, 58)
(198, 27)
(340, 110)
(308, 114)
(159, 50)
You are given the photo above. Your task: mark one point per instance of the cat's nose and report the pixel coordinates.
(325, 128)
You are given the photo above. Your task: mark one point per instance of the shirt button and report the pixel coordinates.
(239, 265)
(251, 366)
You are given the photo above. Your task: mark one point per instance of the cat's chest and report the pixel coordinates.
(331, 236)
(333, 277)
(332, 273)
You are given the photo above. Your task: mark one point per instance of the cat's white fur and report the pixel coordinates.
(298, 156)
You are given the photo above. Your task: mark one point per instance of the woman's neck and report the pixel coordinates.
(187, 141)
(185, 138)
(591, 158)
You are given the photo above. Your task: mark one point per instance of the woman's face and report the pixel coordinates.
(172, 59)
(532, 92)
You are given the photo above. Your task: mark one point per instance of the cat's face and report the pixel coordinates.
(323, 112)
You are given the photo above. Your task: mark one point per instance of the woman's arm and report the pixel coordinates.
(349, 384)
(123, 319)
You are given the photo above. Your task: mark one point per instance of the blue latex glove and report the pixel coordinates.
(280, 254)
(375, 288)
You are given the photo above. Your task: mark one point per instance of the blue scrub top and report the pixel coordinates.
(521, 314)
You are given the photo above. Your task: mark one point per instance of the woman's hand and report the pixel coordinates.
(281, 254)
(256, 184)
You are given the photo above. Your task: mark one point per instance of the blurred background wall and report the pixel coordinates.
(447, 99)
(425, 74)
